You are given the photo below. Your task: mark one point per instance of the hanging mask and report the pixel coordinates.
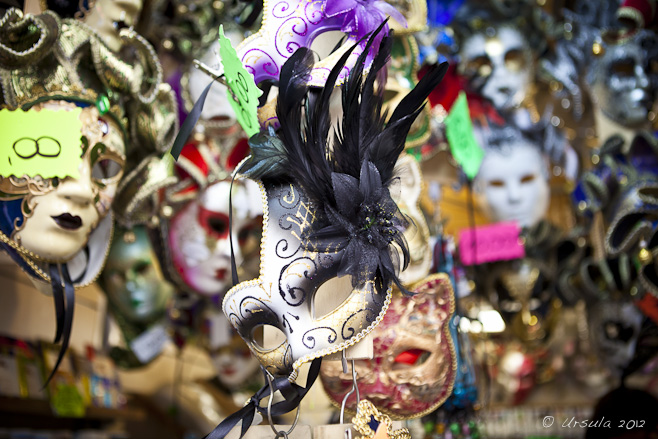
(194, 230)
(620, 79)
(513, 178)
(517, 374)
(56, 221)
(622, 188)
(499, 67)
(524, 297)
(199, 235)
(132, 278)
(417, 234)
(235, 365)
(403, 72)
(614, 328)
(414, 364)
(331, 227)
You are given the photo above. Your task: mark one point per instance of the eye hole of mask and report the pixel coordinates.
(141, 267)
(528, 178)
(515, 60)
(214, 223)
(617, 331)
(624, 68)
(496, 183)
(479, 66)
(252, 230)
(411, 357)
(330, 295)
(267, 337)
(105, 168)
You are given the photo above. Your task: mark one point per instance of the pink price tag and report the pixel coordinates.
(491, 243)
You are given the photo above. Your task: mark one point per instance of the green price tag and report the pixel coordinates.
(45, 143)
(243, 93)
(463, 145)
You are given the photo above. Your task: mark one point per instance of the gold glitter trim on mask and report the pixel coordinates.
(278, 359)
(367, 413)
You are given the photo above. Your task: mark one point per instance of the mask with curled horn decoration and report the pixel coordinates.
(330, 224)
(623, 188)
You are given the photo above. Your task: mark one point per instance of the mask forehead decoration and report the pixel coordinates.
(328, 213)
(414, 366)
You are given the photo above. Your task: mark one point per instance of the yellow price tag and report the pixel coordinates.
(45, 143)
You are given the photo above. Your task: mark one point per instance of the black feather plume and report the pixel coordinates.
(347, 179)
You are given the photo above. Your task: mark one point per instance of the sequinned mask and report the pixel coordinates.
(54, 218)
(199, 235)
(413, 369)
(513, 181)
(498, 67)
(132, 278)
(620, 82)
(331, 229)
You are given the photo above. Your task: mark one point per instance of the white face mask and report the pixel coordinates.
(199, 239)
(500, 68)
(514, 185)
(291, 279)
(62, 220)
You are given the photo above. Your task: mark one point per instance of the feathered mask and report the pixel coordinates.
(328, 213)
(348, 179)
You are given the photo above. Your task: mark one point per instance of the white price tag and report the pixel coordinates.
(148, 345)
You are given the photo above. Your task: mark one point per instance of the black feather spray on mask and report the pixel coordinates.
(348, 179)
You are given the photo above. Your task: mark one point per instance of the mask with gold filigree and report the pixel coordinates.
(331, 228)
(414, 365)
(56, 222)
(525, 300)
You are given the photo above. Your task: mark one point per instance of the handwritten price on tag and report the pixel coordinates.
(45, 143)
(242, 90)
